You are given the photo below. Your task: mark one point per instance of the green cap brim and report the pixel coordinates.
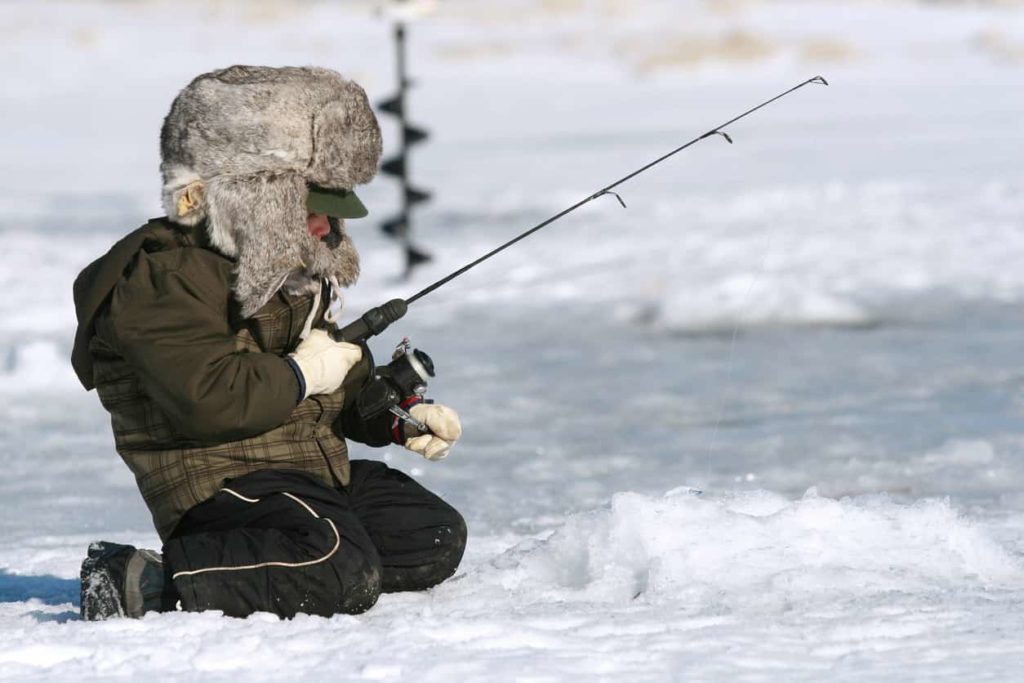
(336, 203)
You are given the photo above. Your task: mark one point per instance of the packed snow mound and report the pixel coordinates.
(757, 551)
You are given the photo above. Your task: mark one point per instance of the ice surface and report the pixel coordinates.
(820, 327)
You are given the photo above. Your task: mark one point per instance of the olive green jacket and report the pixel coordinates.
(197, 394)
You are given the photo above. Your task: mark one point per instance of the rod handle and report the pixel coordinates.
(373, 322)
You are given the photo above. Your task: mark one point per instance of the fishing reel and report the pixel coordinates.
(406, 375)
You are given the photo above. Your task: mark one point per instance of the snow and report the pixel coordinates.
(741, 585)
(764, 424)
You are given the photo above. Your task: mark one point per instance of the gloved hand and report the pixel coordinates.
(444, 425)
(324, 362)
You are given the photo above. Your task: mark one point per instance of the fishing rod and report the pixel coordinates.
(376, 320)
(408, 372)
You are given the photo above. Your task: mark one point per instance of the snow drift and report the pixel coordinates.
(755, 551)
(646, 574)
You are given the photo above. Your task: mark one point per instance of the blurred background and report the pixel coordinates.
(820, 327)
(834, 301)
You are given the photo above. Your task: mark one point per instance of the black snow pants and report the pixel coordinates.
(281, 541)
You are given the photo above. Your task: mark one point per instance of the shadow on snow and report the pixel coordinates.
(50, 590)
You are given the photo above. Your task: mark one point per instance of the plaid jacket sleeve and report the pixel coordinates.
(169, 319)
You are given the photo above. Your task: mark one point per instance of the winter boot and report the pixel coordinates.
(120, 581)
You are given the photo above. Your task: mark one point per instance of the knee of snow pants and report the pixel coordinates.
(274, 542)
(449, 540)
(420, 537)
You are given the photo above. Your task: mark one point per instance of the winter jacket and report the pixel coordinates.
(198, 395)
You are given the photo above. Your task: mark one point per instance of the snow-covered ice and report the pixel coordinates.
(746, 586)
(764, 424)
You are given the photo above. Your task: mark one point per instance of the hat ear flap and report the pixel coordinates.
(186, 205)
(261, 220)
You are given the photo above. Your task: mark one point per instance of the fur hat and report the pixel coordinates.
(238, 149)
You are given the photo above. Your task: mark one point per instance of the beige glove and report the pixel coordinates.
(324, 362)
(444, 425)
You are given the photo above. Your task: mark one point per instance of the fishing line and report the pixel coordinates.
(730, 362)
(410, 369)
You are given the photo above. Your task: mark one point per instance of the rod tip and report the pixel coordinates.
(818, 79)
